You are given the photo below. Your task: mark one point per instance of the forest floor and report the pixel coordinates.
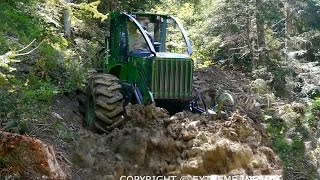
(154, 143)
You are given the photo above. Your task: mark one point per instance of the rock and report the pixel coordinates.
(173, 118)
(118, 171)
(56, 115)
(188, 135)
(225, 156)
(259, 86)
(298, 108)
(118, 157)
(180, 115)
(133, 147)
(29, 157)
(193, 166)
(288, 141)
(167, 122)
(155, 140)
(314, 92)
(79, 160)
(266, 162)
(235, 172)
(193, 125)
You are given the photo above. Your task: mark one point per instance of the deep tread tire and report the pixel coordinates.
(81, 97)
(105, 92)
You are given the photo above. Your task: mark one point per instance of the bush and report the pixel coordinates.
(279, 75)
(16, 25)
(67, 73)
(291, 153)
(314, 116)
(12, 112)
(25, 101)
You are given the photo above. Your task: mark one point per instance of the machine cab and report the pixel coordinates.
(143, 35)
(152, 53)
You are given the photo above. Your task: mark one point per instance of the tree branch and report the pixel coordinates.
(26, 46)
(26, 53)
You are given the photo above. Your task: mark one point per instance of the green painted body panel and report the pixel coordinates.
(166, 78)
(172, 78)
(165, 75)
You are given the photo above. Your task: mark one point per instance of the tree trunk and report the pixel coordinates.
(248, 39)
(288, 25)
(248, 33)
(289, 31)
(261, 45)
(67, 22)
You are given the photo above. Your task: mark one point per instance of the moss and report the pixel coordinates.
(4, 162)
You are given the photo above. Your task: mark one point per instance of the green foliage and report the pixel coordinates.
(11, 113)
(226, 30)
(313, 117)
(279, 73)
(68, 74)
(51, 54)
(4, 162)
(8, 104)
(75, 75)
(309, 16)
(26, 101)
(55, 67)
(315, 108)
(63, 132)
(293, 153)
(126, 5)
(39, 90)
(89, 11)
(16, 25)
(205, 63)
(272, 41)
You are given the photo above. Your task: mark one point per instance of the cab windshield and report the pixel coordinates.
(163, 32)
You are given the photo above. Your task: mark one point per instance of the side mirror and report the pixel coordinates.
(157, 46)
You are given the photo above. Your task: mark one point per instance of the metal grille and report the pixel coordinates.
(172, 78)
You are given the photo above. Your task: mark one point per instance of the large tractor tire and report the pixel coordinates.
(104, 103)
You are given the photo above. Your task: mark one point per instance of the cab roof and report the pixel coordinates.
(141, 13)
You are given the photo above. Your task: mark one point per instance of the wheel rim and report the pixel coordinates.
(90, 110)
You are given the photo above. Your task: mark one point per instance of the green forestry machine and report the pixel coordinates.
(147, 60)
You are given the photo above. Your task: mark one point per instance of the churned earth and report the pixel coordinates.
(152, 142)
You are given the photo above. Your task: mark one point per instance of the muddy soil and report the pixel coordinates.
(154, 143)
(213, 82)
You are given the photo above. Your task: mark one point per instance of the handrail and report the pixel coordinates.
(184, 34)
(144, 34)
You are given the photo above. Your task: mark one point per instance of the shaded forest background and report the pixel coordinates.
(245, 34)
(50, 47)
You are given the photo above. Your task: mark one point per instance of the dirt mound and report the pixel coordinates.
(157, 144)
(213, 81)
(151, 142)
